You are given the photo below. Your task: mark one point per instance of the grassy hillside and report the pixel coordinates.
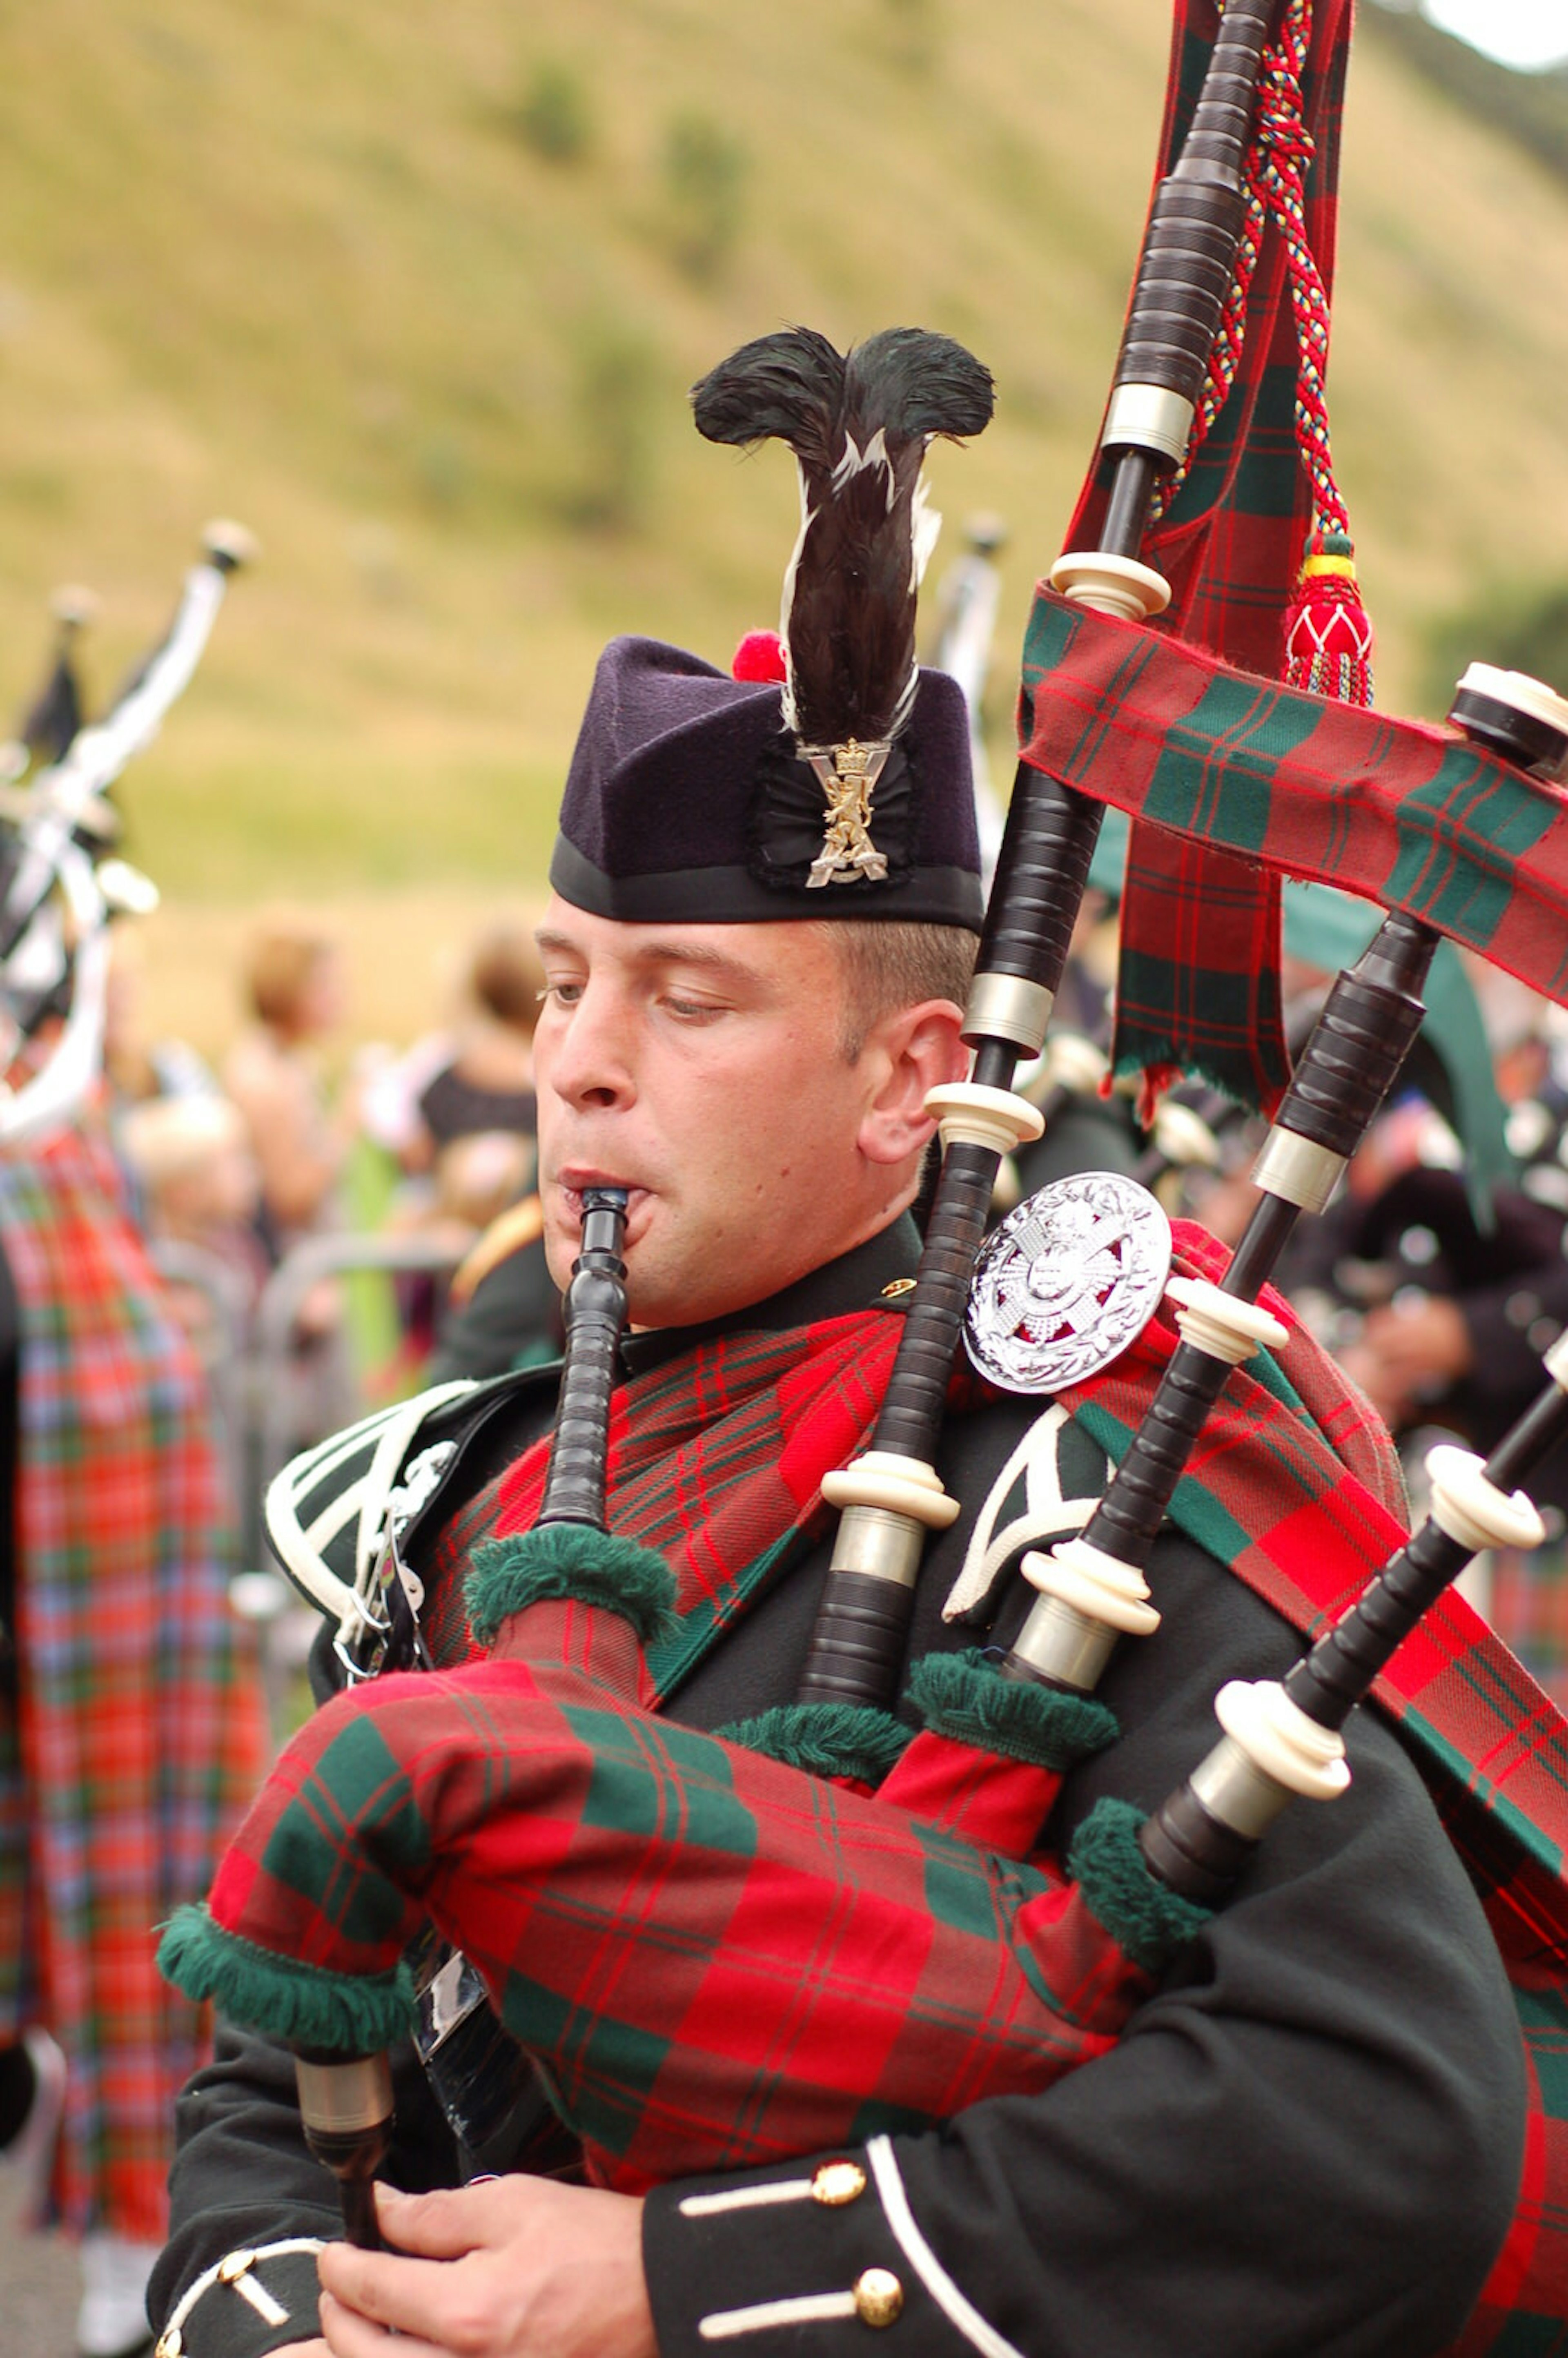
(314, 265)
(1529, 108)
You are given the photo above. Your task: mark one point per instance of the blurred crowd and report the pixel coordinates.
(253, 1174)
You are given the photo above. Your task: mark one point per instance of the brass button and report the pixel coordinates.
(236, 2264)
(170, 2344)
(898, 1285)
(878, 2297)
(838, 2181)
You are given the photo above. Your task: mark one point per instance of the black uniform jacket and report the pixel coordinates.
(1309, 2140)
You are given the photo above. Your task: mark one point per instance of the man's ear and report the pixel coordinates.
(909, 1052)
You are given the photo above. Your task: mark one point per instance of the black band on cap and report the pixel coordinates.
(734, 896)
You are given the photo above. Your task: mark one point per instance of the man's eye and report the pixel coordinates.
(562, 994)
(693, 1010)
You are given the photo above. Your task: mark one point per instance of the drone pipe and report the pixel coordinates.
(96, 755)
(892, 1496)
(1283, 1739)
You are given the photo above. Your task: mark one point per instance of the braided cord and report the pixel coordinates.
(1278, 157)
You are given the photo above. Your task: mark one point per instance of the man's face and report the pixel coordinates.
(700, 1068)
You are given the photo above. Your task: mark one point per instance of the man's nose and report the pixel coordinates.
(591, 1062)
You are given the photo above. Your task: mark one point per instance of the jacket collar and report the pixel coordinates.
(858, 1280)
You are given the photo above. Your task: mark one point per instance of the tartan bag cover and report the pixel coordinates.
(565, 1838)
(134, 1735)
(1199, 983)
(1395, 811)
(718, 1959)
(566, 1910)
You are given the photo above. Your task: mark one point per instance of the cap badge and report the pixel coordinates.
(847, 774)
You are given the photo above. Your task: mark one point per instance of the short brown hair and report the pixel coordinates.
(506, 977)
(284, 955)
(887, 966)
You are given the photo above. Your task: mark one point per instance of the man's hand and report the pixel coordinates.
(516, 2268)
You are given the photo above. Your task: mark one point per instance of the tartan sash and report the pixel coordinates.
(1394, 811)
(1492, 1747)
(717, 1460)
(1266, 1493)
(135, 1732)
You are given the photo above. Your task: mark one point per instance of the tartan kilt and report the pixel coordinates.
(718, 1961)
(133, 1733)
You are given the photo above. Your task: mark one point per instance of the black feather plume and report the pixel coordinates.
(858, 425)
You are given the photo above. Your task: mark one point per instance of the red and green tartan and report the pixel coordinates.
(718, 1959)
(1230, 543)
(1394, 811)
(716, 1462)
(579, 1915)
(134, 1734)
(1199, 983)
(1527, 1596)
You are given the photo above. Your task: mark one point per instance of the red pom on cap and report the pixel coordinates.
(760, 656)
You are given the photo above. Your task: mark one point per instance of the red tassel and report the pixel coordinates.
(1328, 638)
(760, 656)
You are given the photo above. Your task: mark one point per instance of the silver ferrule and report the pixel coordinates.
(1234, 1790)
(1297, 1170)
(1008, 1007)
(1149, 418)
(340, 2099)
(1069, 1648)
(881, 1542)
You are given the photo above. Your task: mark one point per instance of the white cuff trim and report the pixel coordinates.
(955, 2307)
(806, 2309)
(268, 2307)
(745, 2197)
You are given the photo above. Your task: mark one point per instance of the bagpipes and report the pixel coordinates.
(647, 1906)
(60, 884)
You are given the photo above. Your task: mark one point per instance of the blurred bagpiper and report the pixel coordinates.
(131, 1728)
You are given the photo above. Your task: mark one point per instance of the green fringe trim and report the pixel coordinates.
(826, 1739)
(1150, 1921)
(571, 1560)
(339, 2014)
(965, 1696)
